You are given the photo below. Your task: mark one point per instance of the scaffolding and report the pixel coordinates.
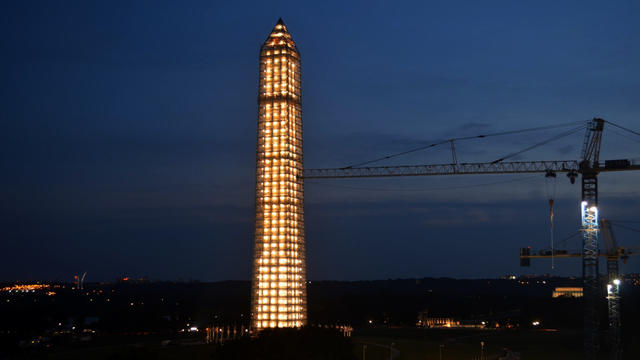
(279, 296)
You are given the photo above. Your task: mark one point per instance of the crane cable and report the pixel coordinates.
(566, 133)
(551, 184)
(448, 141)
(625, 227)
(430, 189)
(623, 128)
(624, 136)
(564, 241)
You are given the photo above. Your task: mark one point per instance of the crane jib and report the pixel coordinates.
(513, 167)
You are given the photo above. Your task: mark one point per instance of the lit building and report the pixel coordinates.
(567, 292)
(279, 294)
(434, 322)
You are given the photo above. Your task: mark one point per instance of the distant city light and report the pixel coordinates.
(25, 288)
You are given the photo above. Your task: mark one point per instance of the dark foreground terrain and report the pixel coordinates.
(160, 320)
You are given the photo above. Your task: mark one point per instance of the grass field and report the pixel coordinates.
(465, 344)
(408, 344)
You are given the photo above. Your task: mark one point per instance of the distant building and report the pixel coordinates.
(438, 322)
(279, 291)
(446, 322)
(575, 292)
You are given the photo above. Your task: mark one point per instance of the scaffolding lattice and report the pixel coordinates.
(279, 296)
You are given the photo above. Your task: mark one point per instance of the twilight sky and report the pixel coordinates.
(127, 139)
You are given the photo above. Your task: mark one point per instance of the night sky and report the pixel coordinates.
(128, 129)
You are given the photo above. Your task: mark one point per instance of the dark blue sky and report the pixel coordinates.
(127, 143)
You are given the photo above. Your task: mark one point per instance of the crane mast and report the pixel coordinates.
(590, 229)
(613, 290)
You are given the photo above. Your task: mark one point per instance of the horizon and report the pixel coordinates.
(133, 280)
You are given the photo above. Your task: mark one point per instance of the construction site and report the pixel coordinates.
(596, 232)
(468, 187)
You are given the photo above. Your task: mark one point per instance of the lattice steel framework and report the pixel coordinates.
(590, 254)
(613, 300)
(279, 296)
(516, 167)
(589, 167)
(613, 289)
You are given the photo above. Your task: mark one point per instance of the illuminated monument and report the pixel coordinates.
(279, 294)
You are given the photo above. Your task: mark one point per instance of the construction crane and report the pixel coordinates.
(613, 289)
(613, 253)
(589, 166)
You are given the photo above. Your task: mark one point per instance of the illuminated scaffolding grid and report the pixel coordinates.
(279, 295)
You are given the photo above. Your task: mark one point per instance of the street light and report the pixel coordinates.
(481, 350)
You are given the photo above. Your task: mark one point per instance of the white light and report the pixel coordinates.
(616, 281)
(193, 328)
